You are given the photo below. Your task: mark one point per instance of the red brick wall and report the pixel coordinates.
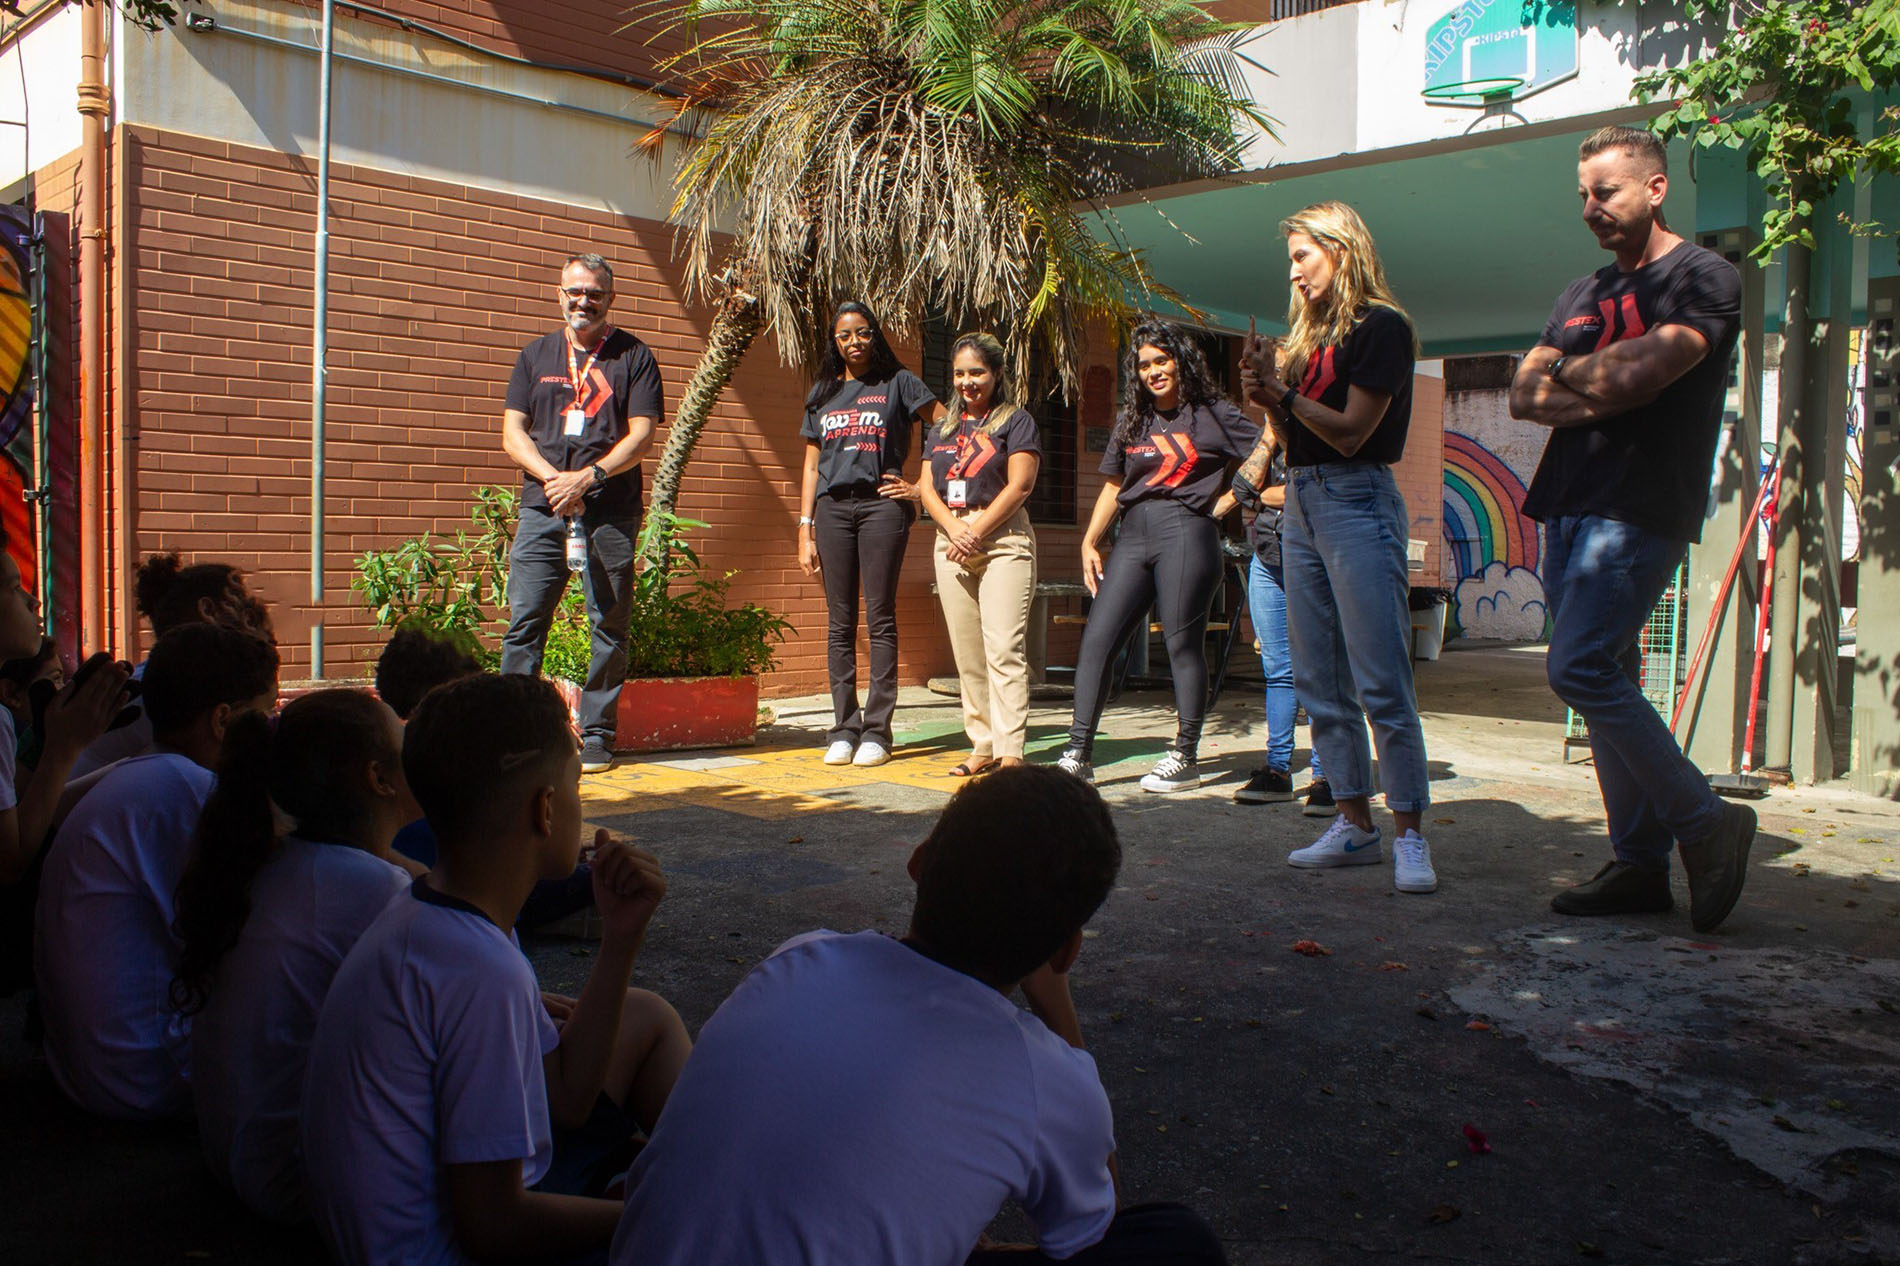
(434, 290)
(602, 34)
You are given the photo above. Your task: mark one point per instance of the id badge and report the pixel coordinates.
(954, 493)
(576, 423)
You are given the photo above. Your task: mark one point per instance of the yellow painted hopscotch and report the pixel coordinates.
(769, 783)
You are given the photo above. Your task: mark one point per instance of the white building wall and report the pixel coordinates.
(1347, 80)
(39, 95)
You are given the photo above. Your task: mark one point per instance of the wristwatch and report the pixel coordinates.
(1556, 369)
(1287, 398)
(805, 520)
(600, 476)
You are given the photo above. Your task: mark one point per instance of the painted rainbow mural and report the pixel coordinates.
(1484, 516)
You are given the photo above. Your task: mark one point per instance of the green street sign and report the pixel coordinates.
(1489, 49)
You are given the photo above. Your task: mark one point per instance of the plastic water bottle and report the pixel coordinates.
(576, 545)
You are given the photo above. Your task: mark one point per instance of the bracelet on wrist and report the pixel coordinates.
(805, 520)
(1287, 398)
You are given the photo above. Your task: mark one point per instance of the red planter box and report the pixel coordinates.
(670, 714)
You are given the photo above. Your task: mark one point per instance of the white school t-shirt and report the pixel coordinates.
(105, 954)
(428, 1053)
(309, 904)
(854, 1101)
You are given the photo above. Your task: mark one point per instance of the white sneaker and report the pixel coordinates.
(1343, 844)
(1412, 864)
(871, 752)
(1176, 771)
(839, 753)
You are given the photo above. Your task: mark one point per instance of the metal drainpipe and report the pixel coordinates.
(320, 320)
(94, 105)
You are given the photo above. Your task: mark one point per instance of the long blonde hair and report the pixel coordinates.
(1358, 283)
(1003, 405)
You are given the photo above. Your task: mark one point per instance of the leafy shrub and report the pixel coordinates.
(681, 624)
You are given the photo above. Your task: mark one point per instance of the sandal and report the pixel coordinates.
(967, 769)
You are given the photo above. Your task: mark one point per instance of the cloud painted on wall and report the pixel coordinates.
(1502, 602)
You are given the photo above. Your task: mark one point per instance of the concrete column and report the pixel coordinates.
(1876, 716)
(1824, 409)
(1715, 715)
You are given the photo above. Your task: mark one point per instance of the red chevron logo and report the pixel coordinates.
(974, 452)
(1190, 457)
(1319, 375)
(597, 393)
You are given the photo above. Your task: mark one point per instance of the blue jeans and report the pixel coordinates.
(1343, 547)
(537, 577)
(1266, 603)
(1601, 580)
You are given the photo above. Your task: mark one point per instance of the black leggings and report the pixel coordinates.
(1168, 557)
(861, 538)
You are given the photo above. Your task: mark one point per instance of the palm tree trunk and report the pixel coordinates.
(735, 325)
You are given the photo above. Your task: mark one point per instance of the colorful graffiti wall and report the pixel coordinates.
(1492, 551)
(16, 391)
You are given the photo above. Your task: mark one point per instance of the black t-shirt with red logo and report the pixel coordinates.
(1651, 466)
(979, 458)
(864, 429)
(1182, 456)
(1377, 356)
(623, 383)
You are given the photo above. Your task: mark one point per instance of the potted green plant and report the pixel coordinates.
(693, 658)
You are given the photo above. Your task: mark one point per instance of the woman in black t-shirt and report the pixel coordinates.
(983, 462)
(1343, 541)
(855, 512)
(1166, 465)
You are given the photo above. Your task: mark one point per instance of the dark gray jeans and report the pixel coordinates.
(537, 574)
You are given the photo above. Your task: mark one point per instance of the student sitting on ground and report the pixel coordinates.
(264, 920)
(437, 1071)
(17, 679)
(75, 716)
(414, 662)
(865, 1099)
(170, 594)
(105, 954)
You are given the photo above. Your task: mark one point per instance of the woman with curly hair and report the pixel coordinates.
(1166, 465)
(1342, 407)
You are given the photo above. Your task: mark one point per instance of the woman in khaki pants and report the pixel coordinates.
(983, 461)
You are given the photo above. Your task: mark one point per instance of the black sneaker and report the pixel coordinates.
(595, 755)
(1717, 867)
(1177, 771)
(1619, 888)
(1072, 761)
(1319, 800)
(1265, 786)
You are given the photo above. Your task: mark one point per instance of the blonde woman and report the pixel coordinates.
(1341, 401)
(984, 456)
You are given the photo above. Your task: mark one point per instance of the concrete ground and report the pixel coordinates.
(1645, 1094)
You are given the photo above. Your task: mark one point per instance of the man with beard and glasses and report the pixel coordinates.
(580, 413)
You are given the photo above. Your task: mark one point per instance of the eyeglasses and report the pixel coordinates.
(855, 336)
(581, 292)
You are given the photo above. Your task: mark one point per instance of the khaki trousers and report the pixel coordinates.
(986, 608)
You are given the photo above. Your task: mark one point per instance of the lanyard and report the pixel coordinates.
(579, 380)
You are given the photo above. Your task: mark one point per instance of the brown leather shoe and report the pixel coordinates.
(1717, 867)
(1619, 888)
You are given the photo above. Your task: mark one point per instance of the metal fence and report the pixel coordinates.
(1294, 8)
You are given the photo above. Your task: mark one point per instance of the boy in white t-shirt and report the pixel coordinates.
(864, 1099)
(105, 953)
(437, 1076)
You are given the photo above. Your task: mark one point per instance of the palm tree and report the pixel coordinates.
(941, 156)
